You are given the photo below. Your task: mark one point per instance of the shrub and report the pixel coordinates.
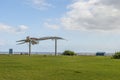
(69, 53)
(116, 55)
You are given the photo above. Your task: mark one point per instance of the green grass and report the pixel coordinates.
(36, 67)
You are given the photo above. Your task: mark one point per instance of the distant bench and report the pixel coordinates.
(100, 53)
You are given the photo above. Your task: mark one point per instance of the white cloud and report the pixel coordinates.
(52, 26)
(22, 28)
(39, 4)
(10, 29)
(97, 15)
(114, 3)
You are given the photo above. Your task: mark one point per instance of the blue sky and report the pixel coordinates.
(88, 25)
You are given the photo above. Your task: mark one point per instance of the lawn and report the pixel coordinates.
(36, 67)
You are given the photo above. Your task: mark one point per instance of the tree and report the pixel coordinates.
(116, 55)
(69, 53)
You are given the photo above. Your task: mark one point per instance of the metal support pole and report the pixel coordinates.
(55, 47)
(29, 48)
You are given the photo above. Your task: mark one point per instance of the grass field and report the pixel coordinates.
(36, 67)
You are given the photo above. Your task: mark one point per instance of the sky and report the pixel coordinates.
(87, 25)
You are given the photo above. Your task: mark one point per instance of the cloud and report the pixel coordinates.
(114, 3)
(10, 29)
(96, 15)
(52, 26)
(39, 4)
(21, 28)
